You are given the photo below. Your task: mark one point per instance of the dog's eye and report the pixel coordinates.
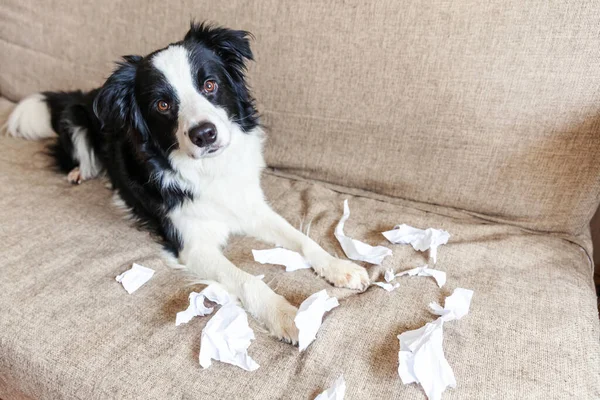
(163, 106)
(210, 86)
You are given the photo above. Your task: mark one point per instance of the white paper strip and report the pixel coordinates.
(134, 278)
(439, 276)
(356, 250)
(387, 286)
(310, 316)
(420, 239)
(279, 256)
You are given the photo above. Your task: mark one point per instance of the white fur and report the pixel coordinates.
(31, 119)
(194, 108)
(89, 166)
(228, 200)
(122, 207)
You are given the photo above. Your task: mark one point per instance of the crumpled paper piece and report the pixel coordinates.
(389, 275)
(226, 338)
(387, 286)
(217, 294)
(213, 292)
(357, 250)
(336, 392)
(456, 305)
(421, 357)
(310, 316)
(420, 239)
(439, 276)
(195, 309)
(290, 259)
(135, 277)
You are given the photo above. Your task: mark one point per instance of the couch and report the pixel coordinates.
(479, 118)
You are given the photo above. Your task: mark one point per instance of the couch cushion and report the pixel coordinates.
(485, 106)
(70, 331)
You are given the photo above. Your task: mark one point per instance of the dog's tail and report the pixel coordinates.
(66, 116)
(31, 119)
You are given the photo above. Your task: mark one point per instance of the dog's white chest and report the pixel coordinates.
(225, 189)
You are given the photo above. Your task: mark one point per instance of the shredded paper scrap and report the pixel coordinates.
(226, 338)
(134, 278)
(291, 260)
(357, 250)
(310, 316)
(421, 358)
(213, 292)
(421, 240)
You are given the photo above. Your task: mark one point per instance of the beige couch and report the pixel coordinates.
(481, 118)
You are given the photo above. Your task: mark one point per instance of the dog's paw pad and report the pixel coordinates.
(74, 176)
(343, 273)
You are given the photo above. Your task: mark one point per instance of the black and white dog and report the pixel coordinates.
(179, 137)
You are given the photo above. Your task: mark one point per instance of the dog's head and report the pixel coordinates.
(190, 96)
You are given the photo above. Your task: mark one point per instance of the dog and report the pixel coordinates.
(178, 135)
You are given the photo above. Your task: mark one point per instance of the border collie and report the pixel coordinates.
(178, 135)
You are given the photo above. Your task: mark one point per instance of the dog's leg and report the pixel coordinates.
(257, 297)
(270, 227)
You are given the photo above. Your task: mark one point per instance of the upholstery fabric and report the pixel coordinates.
(490, 107)
(68, 330)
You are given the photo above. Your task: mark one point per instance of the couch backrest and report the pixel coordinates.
(492, 107)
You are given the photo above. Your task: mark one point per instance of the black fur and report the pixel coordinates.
(132, 141)
(69, 109)
(232, 49)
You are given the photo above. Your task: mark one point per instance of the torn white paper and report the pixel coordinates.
(387, 286)
(420, 239)
(290, 259)
(421, 357)
(226, 338)
(217, 294)
(421, 360)
(439, 276)
(213, 292)
(389, 275)
(134, 278)
(310, 316)
(195, 309)
(456, 305)
(336, 392)
(356, 250)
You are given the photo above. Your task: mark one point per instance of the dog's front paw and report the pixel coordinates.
(271, 309)
(280, 320)
(74, 176)
(343, 273)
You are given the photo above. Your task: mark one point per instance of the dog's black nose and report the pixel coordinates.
(204, 134)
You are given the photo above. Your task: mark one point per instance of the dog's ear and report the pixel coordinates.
(115, 104)
(232, 46)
